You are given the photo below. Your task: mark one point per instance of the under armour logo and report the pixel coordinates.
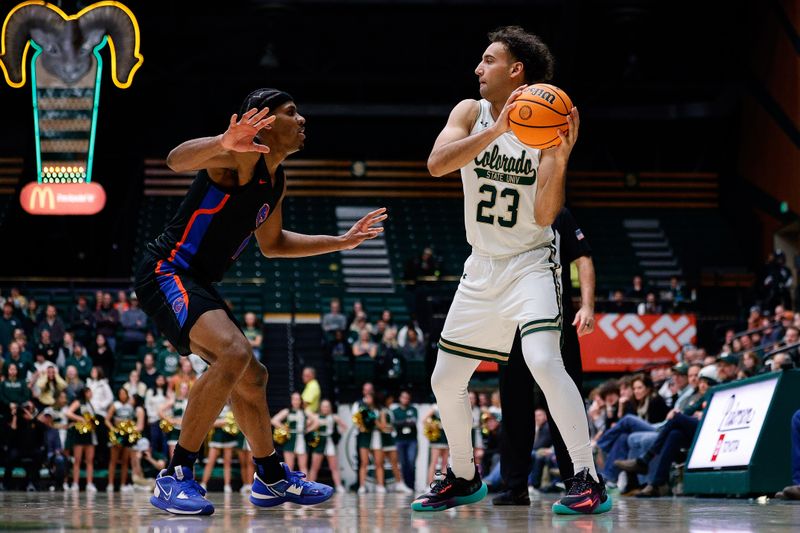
(464, 276)
(485, 123)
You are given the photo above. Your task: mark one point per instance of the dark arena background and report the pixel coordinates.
(685, 181)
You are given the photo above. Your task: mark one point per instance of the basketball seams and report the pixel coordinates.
(538, 127)
(558, 92)
(520, 99)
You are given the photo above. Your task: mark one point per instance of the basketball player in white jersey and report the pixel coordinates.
(512, 193)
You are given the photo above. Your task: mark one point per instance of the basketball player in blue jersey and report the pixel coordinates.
(237, 194)
(512, 194)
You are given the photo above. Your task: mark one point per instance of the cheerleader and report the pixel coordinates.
(438, 447)
(369, 443)
(297, 419)
(225, 440)
(121, 411)
(326, 424)
(389, 443)
(246, 465)
(82, 436)
(141, 444)
(172, 412)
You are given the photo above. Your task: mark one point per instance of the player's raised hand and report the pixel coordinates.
(568, 138)
(364, 229)
(502, 123)
(239, 137)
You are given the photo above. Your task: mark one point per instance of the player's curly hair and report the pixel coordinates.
(528, 49)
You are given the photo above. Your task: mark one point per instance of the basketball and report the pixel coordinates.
(541, 110)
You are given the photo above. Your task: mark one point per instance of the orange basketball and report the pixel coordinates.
(541, 110)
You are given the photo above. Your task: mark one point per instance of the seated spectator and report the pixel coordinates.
(312, 392)
(103, 355)
(792, 337)
(604, 411)
(53, 324)
(252, 332)
(389, 363)
(81, 321)
(359, 324)
(106, 320)
(402, 333)
(23, 361)
(650, 306)
(40, 364)
(148, 372)
(650, 409)
(753, 319)
(619, 304)
(122, 304)
(31, 316)
(358, 309)
(65, 350)
(13, 391)
(388, 320)
(675, 295)
(727, 366)
(378, 331)
(74, 383)
(133, 322)
(46, 347)
(414, 348)
(364, 346)
(792, 492)
(636, 292)
(751, 362)
(186, 374)
(22, 340)
(339, 348)
(80, 361)
(25, 445)
(780, 362)
(543, 455)
(168, 360)
(426, 265)
(134, 386)
(49, 386)
(334, 320)
(8, 323)
(150, 345)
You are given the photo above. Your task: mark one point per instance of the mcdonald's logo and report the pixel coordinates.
(63, 198)
(45, 196)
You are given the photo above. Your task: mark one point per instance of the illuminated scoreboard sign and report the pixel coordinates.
(65, 70)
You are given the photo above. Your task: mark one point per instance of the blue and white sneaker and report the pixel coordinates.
(293, 488)
(180, 493)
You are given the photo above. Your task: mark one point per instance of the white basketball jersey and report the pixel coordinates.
(499, 192)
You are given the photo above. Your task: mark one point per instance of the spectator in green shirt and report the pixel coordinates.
(168, 360)
(80, 361)
(13, 390)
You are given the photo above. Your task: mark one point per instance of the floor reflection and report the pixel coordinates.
(388, 512)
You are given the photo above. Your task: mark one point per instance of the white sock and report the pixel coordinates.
(542, 354)
(449, 382)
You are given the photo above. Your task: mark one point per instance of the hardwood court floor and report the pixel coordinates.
(40, 511)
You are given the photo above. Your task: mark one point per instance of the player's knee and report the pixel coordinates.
(235, 358)
(258, 375)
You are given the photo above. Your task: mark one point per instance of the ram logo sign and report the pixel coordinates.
(624, 342)
(66, 68)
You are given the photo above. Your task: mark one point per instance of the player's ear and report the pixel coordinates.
(518, 70)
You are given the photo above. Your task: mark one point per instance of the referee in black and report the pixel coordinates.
(517, 385)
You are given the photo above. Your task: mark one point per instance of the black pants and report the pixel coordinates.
(30, 460)
(518, 398)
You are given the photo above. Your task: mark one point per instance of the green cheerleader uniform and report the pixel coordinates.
(441, 442)
(74, 438)
(296, 420)
(221, 438)
(370, 439)
(325, 430)
(124, 412)
(389, 440)
(178, 408)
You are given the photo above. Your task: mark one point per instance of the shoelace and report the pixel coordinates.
(580, 483)
(439, 482)
(193, 488)
(298, 478)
